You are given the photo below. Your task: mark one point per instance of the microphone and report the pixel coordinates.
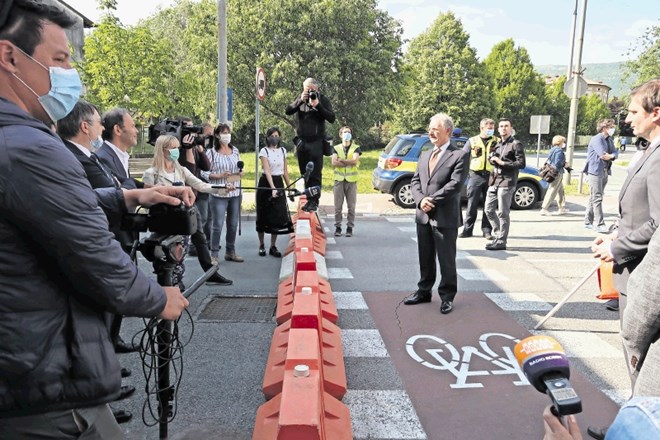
(308, 170)
(311, 192)
(545, 365)
(240, 164)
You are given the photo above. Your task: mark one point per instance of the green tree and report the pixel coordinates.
(647, 64)
(518, 88)
(558, 105)
(590, 110)
(441, 73)
(127, 67)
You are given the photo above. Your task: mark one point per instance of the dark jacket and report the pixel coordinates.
(443, 184)
(111, 161)
(60, 271)
(512, 152)
(310, 125)
(97, 175)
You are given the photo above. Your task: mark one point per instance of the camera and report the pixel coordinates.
(163, 219)
(313, 95)
(178, 129)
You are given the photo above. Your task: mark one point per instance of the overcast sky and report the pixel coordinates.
(542, 27)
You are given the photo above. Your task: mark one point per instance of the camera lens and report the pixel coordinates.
(313, 95)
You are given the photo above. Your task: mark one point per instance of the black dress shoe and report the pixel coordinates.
(125, 372)
(496, 246)
(122, 416)
(465, 234)
(597, 433)
(446, 307)
(123, 347)
(417, 298)
(216, 278)
(125, 391)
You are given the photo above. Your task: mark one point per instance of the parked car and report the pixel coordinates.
(398, 161)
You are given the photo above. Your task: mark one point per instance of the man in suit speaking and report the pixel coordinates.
(436, 188)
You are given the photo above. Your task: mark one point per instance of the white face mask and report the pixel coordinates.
(610, 131)
(225, 138)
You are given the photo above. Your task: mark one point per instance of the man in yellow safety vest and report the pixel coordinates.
(345, 160)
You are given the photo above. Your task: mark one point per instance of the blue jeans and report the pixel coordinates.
(219, 207)
(637, 419)
(497, 208)
(203, 204)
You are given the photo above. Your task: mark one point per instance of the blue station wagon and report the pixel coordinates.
(398, 162)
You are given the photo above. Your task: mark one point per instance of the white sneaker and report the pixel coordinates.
(545, 212)
(214, 261)
(563, 211)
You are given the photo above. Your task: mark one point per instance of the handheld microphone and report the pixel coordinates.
(545, 365)
(311, 192)
(308, 170)
(240, 164)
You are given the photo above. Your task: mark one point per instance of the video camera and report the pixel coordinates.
(163, 219)
(178, 129)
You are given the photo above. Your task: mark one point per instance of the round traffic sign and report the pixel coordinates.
(261, 84)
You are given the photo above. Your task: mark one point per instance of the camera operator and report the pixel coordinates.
(62, 270)
(313, 109)
(193, 157)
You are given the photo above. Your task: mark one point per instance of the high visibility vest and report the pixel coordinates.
(350, 173)
(481, 163)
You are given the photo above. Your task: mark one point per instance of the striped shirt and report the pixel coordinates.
(221, 163)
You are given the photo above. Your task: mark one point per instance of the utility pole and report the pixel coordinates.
(572, 119)
(221, 96)
(569, 69)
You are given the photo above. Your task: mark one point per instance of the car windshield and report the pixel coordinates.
(399, 146)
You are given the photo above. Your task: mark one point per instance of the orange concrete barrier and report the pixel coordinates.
(303, 412)
(287, 291)
(606, 281)
(305, 259)
(307, 314)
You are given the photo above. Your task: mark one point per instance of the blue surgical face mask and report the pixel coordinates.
(65, 87)
(347, 136)
(96, 143)
(174, 154)
(490, 131)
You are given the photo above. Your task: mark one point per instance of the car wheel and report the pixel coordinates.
(403, 194)
(526, 196)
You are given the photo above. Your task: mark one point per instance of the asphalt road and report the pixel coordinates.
(223, 364)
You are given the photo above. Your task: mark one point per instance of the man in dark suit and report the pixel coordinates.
(639, 205)
(436, 188)
(120, 135)
(81, 132)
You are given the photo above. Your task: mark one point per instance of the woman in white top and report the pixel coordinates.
(272, 210)
(165, 170)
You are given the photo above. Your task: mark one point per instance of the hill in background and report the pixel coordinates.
(610, 73)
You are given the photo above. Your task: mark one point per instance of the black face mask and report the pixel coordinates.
(273, 140)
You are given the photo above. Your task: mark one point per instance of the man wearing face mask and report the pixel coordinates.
(479, 148)
(313, 109)
(62, 272)
(600, 154)
(345, 161)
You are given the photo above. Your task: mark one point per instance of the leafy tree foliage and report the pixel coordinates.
(590, 110)
(442, 74)
(518, 88)
(557, 104)
(647, 65)
(128, 67)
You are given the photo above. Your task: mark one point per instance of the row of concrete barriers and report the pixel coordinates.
(305, 377)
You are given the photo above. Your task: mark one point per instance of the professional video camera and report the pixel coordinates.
(163, 219)
(178, 129)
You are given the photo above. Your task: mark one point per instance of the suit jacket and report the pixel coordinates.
(443, 184)
(111, 161)
(639, 212)
(640, 328)
(98, 176)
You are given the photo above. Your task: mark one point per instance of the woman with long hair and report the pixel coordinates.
(272, 210)
(165, 170)
(224, 159)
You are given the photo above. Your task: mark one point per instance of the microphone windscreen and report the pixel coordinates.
(540, 355)
(310, 166)
(240, 164)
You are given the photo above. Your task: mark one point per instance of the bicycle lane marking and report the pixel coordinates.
(460, 373)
